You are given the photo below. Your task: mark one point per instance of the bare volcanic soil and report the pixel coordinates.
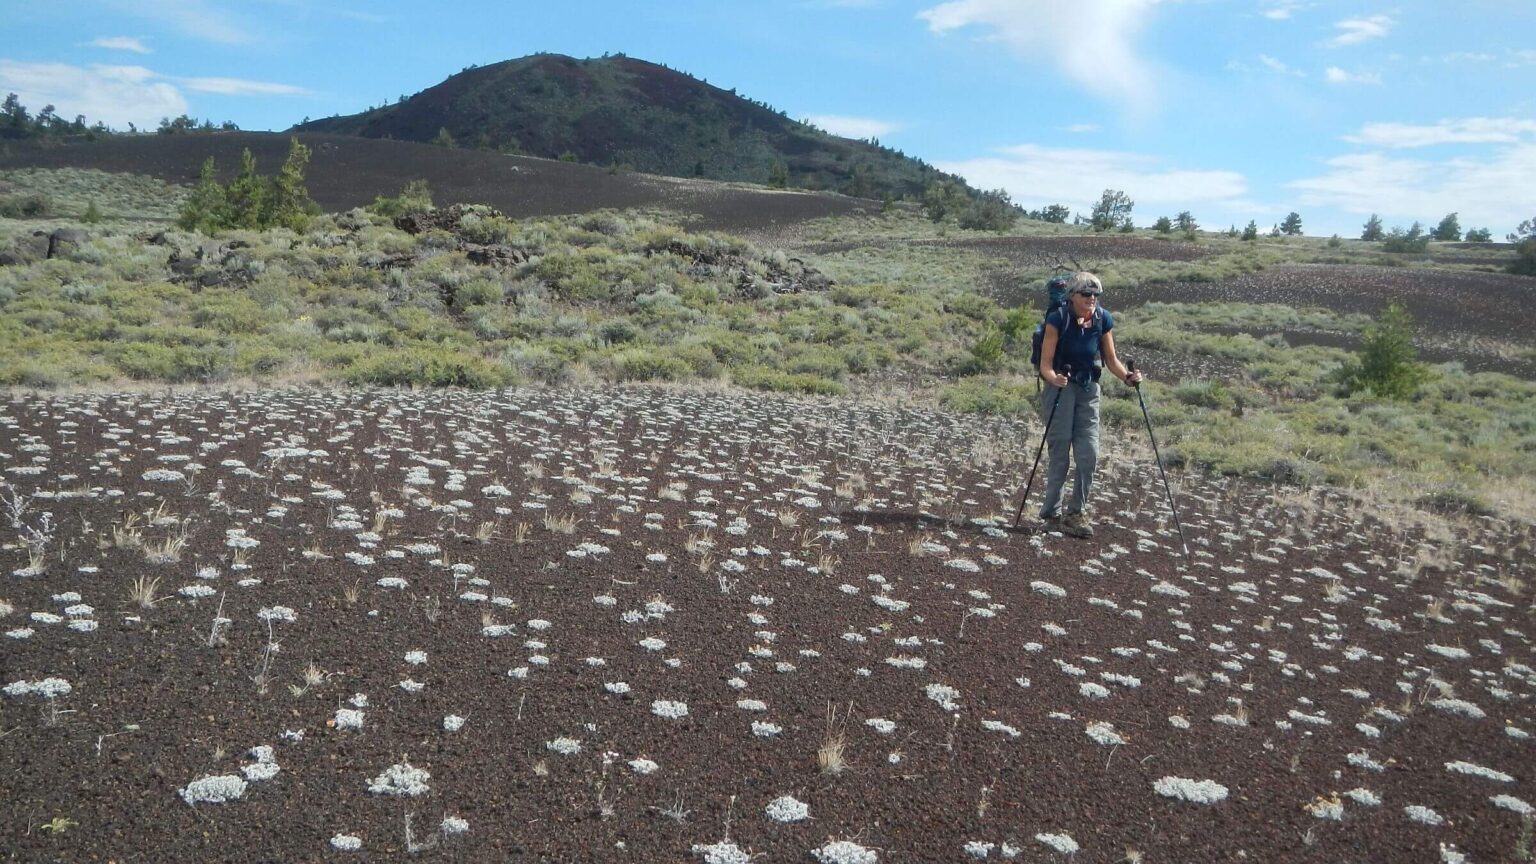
(346, 172)
(1471, 318)
(659, 625)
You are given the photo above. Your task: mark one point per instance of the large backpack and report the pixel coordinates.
(1055, 298)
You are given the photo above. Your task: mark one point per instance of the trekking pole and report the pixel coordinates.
(1130, 366)
(1051, 415)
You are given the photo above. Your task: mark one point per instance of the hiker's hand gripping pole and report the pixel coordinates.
(1130, 366)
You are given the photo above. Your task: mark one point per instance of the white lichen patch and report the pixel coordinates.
(844, 852)
(1195, 791)
(216, 789)
(786, 808)
(401, 780)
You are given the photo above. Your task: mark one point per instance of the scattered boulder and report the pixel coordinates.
(444, 218)
(66, 240)
(499, 255)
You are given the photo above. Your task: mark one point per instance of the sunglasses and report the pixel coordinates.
(1092, 295)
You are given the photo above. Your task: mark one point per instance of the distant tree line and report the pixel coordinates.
(17, 122)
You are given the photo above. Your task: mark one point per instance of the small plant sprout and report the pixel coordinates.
(218, 632)
(674, 811)
(58, 825)
(520, 533)
(352, 593)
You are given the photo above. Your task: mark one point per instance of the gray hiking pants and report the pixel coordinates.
(1074, 429)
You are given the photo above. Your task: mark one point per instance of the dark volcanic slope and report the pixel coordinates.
(347, 171)
(619, 110)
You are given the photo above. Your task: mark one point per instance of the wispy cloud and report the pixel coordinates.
(1113, 69)
(1275, 65)
(194, 18)
(852, 127)
(1077, 177)
(1081, 128)
(119, 95)
(120, 43)
(1353, 31)
(1404, 190)
(1470, 130)
(239, 87)
(1336, 75)
(1280, 10)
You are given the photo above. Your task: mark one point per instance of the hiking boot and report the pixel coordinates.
(1051, 522)
(1076, 525)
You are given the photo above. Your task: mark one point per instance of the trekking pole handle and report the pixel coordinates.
(1130, 367)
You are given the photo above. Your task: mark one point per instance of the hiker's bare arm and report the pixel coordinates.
(1048, 354)
(1112, 360)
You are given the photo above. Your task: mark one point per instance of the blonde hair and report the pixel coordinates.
(1083, 281)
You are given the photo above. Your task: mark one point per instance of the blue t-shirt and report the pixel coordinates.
(1078, 347)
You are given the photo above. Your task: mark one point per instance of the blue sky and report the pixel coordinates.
(1231, 109)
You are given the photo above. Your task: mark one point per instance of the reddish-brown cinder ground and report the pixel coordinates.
(803, 564)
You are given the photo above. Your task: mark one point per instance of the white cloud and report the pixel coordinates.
(1353, 31)
(239, 87)
(120, 43)
(852, 127)
(1471, 130)
(1335, 75)
(1036, 175)
(115, 95)
(1485, 191)
(1102, 34)
(119, 95)
(1081, 128)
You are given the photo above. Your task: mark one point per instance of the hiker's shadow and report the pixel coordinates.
(907, 520)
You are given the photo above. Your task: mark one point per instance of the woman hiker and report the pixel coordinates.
(1078, 345)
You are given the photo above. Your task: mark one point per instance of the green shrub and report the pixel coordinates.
(426, 366)
(1204, 394)
(761, 378)
(33, 206)
(414, 198)
(990, 397)
(537, 363)
(260, 359)
(476, 292)
(174, 364)
(644, 364)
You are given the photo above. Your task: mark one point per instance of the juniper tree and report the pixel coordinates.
(287, 203)
(207, 208)
(1448, 231)
(1373, 229)
(1112, 211)
(1387, 364)
(1292, 224)
(246, 195)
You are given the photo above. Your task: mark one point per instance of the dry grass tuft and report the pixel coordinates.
(142, 594)
(830, 756)
(560, 524)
